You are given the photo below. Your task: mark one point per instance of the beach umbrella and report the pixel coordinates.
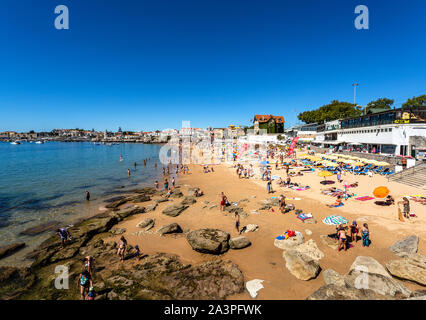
(325, 174)
(335, 220)
(264, 163)
(381, 192)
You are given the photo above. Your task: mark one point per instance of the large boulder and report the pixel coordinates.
(239, 242)
(176, 194)
(170, 228)
(211, 241)
(300, 265)
(405, 246)
(116, 204)
(310, 249)
(369, 265)
(174, 210)
(335, 292)
(129, 212)
(291, 242)
(141, 198)
(367, 273)
(11, 249)
(146, 224)
(48, 226)
(412, 267)
(332, 277)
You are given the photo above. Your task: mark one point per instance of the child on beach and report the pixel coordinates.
(64, 235)
(354, 231)
(269, 186)
(341, 234)
(237, 222)
(173, 182)
(84, 282)
(91, 294)
(365, 235)
(223, 201)
(156, 185)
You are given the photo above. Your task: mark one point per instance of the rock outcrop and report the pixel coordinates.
(412, 268)
(174, 210)
(11, 249)
(211, 241)
(405, 246)
(300, 265)
(170, 228)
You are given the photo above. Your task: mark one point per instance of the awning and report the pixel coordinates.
(332, 142)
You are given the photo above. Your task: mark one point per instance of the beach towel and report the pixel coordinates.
(304, 216)
(365, 198)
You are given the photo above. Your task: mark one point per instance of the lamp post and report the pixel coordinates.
(354, 85)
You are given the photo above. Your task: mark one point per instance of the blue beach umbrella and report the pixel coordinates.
(335, 220)
(264, 163)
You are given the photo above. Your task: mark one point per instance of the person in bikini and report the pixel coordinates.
(223, 201)
(341, 234)
(122, 248)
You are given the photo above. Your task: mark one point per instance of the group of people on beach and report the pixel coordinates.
(354, 232)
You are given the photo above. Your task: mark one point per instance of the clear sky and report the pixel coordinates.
(146, 65)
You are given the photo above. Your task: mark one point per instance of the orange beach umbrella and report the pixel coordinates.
(381, 192)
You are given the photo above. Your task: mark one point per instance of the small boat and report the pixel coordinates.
(39, 142)
(15, 142)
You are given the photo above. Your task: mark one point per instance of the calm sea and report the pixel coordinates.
(46, 182)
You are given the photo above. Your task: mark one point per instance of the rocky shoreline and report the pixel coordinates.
(159, 276)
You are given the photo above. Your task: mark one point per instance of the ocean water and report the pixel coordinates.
(40, 183)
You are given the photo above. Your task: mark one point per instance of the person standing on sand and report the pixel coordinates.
(237, 222)
(166, 185)
(173, 181)
(406, 209)
(268, 186)
(156, 185)
(365, 235)
(341, 234)
(222, 201)
(87, 195)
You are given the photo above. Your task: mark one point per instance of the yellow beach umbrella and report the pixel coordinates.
(325, 174)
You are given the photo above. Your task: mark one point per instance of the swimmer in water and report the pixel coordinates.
(128, 172)
(87, 195)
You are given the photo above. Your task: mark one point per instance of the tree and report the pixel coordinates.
(329, 112)
(419, 101)
(381, 104)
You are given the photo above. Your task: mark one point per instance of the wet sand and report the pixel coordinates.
(262, 260)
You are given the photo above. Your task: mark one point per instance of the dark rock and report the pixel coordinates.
(159, 200)
(174, 210)
(170, 228)
(188, 200)
(211, 241)
(117, 231)
(176, 194)
(141, 198)
(116, 204)
(14, 282)
(11, 249)
(48, 226)
(151, 207)
(114, 199)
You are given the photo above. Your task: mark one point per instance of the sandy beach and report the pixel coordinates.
(262, 260)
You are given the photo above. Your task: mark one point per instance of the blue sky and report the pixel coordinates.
(146, 65)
